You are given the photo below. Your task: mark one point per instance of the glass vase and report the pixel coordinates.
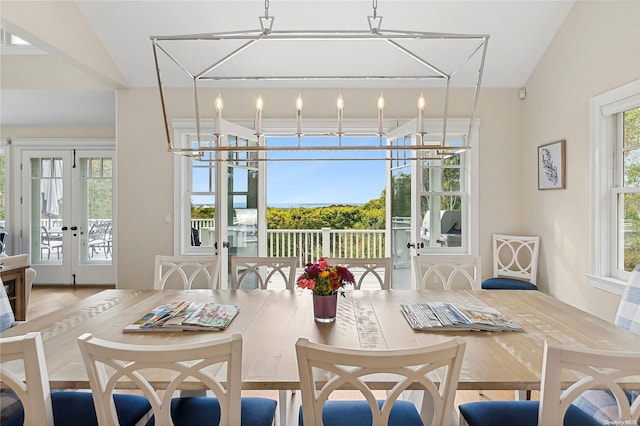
(324, 307)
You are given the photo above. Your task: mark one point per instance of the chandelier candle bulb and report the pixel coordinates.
(259, 106)
(380, 115)
(421, 105)
(218, 105)
(299, 115)
(340, 112)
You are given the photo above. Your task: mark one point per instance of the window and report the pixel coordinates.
(4, 187)
(615, 163)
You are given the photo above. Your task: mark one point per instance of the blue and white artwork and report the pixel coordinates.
(551, 174)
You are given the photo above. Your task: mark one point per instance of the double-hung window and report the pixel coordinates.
(615, 164)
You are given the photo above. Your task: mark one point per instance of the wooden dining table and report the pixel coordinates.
(271, 321)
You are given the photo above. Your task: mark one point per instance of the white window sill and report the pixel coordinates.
(609, 284)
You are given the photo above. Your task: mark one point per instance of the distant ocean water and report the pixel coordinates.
(309, 205)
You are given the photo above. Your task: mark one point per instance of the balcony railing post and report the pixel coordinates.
(326, 242)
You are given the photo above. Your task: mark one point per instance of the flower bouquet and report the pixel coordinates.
(325, 281)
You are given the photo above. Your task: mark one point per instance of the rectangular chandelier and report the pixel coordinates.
(204, 63)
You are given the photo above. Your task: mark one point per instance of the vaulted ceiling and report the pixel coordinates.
(109, 41)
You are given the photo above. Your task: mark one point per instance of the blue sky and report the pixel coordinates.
(324, 181)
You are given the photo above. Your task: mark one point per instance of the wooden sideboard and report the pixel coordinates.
(14, 281)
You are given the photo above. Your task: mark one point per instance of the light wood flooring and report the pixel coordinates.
(45, 299)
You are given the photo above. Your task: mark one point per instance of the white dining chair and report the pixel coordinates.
(601, 404)
(261, 272)
(186, 272)
(374, 273)
(324, 369)
(515, 263)
(23, 370)
(216, 365)
(447, 272)
(595, 369)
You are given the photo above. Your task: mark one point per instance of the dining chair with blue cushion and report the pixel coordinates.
(24, 371)
(515, 263)
(108, 363)
(602, 405)
(325, 369)
(592, 369)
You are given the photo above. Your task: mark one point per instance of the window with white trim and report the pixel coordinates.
(615, 164)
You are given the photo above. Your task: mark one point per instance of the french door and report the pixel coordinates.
(401, 205)
(67, 214)
(429, 207)
(223, 207)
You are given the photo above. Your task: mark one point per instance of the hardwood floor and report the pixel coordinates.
(45, 299)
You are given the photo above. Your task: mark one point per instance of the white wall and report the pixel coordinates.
(596, 50)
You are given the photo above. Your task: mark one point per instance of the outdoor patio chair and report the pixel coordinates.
(515, 263)
(323, 369)
(48, 243)
(374, 269)
(100, 238)
(447, 272)
(596, 369)
(24, 371)
(109, 362)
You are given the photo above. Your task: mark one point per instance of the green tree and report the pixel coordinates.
(632, 180)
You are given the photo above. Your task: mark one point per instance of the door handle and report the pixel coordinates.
(64, 228)
(73, 228)
(413, 245)
(225, 244)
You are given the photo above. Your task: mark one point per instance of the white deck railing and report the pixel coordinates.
(307, 245)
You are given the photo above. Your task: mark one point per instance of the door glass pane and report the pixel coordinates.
(242, 203)
(400, 193)
(96, 201)
(202, 200)
(47, 210)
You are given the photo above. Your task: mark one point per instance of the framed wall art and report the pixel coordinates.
(551, 165)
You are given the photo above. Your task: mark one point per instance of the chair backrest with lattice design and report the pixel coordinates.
(372, 271)
(324, 369)
(186, 272)
(28, 379)
(516, 257)
(259, 272)
(111, 363)
(597, 369)
(447, 272)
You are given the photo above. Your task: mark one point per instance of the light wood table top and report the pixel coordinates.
(272, 320)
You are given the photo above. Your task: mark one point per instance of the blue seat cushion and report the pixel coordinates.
(499, 283)
(74, 408)
(521, 413)
(358, 413)
(206, 411)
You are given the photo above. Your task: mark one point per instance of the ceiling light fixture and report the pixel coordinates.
(203, 77)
